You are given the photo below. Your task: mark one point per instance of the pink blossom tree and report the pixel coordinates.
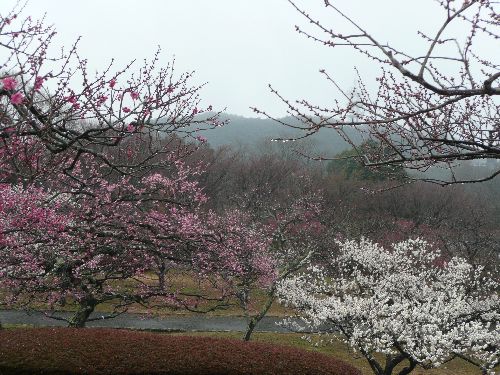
(253, 256)
(56, 101)
(94, 191)
(95, 243)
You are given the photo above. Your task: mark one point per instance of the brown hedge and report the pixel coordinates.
(108, 351)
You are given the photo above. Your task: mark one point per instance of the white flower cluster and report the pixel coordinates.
(407, 300)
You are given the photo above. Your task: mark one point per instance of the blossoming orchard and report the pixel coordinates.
(113, 200)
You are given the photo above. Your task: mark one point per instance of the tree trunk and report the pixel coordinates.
(392, 361)
(374, 365)
(82, 314)
(161, 275)
(257, 318)
(408, 369)
(250, 327)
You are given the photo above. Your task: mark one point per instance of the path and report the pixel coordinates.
(138, 321)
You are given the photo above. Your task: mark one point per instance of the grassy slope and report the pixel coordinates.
(341, 351)
(182, 282)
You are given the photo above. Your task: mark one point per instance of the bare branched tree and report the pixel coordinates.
(429, 109)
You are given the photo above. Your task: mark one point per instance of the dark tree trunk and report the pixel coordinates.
(82, 314)
(250, 327)
(391, 362)
(408, 369)
(252, 323)
(161, 275)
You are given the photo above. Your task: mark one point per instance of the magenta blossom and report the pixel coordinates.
(9, 83)
(101, 100)
(17, 98)
(38, 83)
(71, 99)
(112, 83)
(126, 109)
(134, 95)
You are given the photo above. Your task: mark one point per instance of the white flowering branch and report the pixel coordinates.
(408, 303)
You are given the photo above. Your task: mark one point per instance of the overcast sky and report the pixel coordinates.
(237, 46)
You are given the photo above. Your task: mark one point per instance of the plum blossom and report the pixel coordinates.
(56, 243)
(9, 83)
(402, 303)
(102, 99)
(71, 99)
(38, 83)
(17, 98)
(55, 249)
(201, 139)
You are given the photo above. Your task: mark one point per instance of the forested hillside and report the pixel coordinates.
(252, 133)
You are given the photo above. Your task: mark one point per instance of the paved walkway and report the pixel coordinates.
(138, 321)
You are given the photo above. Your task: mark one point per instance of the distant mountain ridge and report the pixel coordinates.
(255, 132)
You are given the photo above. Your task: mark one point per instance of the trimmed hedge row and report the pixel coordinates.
(109, 351)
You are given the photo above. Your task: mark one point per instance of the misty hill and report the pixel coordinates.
(253, 133)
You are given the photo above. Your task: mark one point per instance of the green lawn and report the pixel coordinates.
(181, 281)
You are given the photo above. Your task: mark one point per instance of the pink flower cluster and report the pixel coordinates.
(17, 98)
(38, 83)
(10, 84)
(201, 139)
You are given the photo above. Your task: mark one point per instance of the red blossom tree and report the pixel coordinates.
(80, 239)
(54, 100)
(94, 191)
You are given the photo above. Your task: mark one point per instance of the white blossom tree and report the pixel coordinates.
(407, 303)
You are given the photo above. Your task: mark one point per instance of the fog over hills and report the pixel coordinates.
(253, 133)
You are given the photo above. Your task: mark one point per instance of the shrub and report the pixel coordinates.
(108, 351)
